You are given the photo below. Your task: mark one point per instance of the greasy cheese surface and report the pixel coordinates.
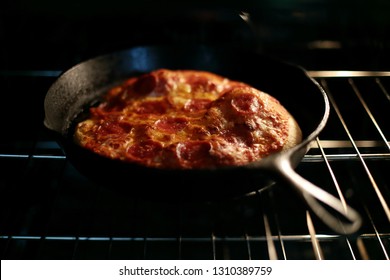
(184, 119)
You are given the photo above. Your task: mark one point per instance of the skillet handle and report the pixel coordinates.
(316, 198)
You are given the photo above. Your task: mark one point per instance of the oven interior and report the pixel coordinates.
(51, 211)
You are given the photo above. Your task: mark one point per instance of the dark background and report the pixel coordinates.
(54, 35)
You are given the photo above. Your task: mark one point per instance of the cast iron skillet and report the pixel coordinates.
(81, 86)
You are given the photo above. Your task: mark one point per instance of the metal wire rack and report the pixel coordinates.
(50, 211)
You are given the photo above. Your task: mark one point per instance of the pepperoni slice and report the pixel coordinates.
(193, 151)
(114, 104)
(157, 107)
(114, 143)
(112, 127)
(145, 84)
(171, 125)
(145, 150)
(201, 82)
(165, 82)
(245, 103)
(126, 127)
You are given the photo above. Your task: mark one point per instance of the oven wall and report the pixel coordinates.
(317, 34)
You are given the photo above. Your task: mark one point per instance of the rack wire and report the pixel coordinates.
(50, 211)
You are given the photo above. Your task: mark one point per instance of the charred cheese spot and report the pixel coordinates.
(186, 119)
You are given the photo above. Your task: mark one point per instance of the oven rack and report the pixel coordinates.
(50, 211)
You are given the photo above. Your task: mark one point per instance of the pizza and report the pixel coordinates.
(186, 119)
